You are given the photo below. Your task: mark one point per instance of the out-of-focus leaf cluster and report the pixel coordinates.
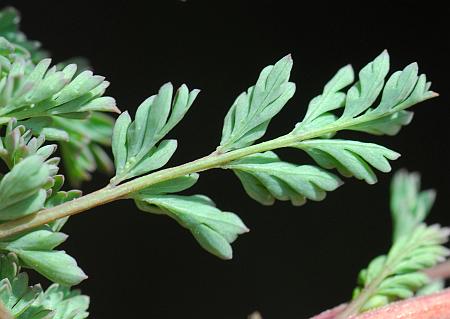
(32, 302)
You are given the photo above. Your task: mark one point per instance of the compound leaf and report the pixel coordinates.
(398, 273)
(360, 111)
(22, 189)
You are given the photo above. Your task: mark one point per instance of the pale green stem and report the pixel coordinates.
(215, 160)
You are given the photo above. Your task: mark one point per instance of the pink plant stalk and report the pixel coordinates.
(434, 306)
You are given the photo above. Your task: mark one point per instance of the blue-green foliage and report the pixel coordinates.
(32, 302)
(415, 247)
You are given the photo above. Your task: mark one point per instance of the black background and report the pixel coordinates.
(296, 261)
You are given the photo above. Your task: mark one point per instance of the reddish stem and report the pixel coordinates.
(434, 306)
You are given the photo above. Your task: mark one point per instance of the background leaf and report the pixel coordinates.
(31, 302)
(409, 205)
(416, 247)
(397, 275)
(22, 189)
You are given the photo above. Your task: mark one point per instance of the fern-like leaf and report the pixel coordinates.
(402, 90)
(397, 275)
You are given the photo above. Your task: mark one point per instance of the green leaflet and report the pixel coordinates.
(55, 265)
(22, 189)
(371, 80)
(350, 158)
(35, 250)
(31, 302)
(389, 125)
(251, 112)
(402, 90)
(397, 274)
(171, 186)
(134, 143)
(409, 205)
(37, 240)
(213, 229)
(266, 178)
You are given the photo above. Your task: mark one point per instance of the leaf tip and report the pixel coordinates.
(433, 94)
(383, 57)
(115, 109)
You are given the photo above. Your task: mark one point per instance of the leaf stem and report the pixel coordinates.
(215, 160)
